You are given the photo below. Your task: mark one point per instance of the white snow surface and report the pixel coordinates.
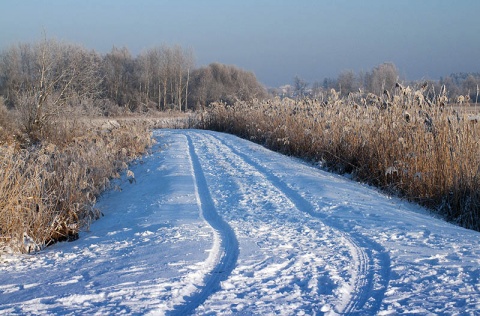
(218, 225)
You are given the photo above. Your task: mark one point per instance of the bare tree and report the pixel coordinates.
(118, 68)
(11, 74)
(451, 87)
(200, 79)
(347, 82)
(165, 70)
(163, 75)
(382, 77)
(144, 76)
(152, 74)
(300, 86)
(317, 89)
(183, 61)
(470, 86)
(218, 82)
(42, 79)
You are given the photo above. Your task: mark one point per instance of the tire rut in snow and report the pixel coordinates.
(372, 261)
(229, 248)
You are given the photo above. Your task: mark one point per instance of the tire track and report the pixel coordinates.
(372, 262)
(228, 248)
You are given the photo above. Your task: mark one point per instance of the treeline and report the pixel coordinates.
(50, 78)
(382, 78)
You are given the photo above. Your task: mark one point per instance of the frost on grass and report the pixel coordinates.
(309, 242)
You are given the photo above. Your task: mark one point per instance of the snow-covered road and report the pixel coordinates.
(218, 225)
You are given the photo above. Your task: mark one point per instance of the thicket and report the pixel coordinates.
(404, 141)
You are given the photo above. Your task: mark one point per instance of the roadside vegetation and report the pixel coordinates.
(48, 189)
(402, 141)
(72, 119)
(63, 138)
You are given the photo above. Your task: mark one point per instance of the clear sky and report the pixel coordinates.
(276, 39)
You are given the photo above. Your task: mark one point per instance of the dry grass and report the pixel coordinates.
(47, 190)
(8, 129)
(426, 152)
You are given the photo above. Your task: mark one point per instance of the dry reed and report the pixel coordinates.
(48, 190)
(402, 142)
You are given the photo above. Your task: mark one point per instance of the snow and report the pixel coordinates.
(219, 225)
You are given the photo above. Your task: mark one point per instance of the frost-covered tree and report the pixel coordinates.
(40, 80)
(383, 77)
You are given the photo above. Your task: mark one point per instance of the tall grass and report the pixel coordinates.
(48, 189)
(405, 144)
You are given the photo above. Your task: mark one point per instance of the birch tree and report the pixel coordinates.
(118, 68)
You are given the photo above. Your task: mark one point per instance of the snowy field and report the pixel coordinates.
(217, 225)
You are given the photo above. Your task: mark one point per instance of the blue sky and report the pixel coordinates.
(277, 40)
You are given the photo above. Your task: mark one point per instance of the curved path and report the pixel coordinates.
(228, 244)
(372, 263)
(217, 225)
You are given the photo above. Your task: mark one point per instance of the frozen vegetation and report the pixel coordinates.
(214, 224)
